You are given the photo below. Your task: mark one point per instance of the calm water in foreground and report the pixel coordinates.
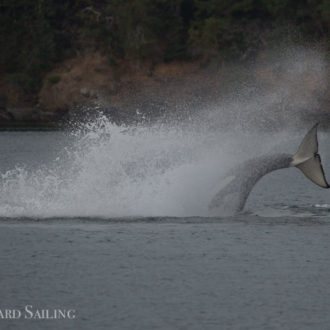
(265, 269)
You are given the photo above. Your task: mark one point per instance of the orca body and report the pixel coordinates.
(241, 179)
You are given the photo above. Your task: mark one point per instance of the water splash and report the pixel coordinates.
(169, 168)
(119, 171)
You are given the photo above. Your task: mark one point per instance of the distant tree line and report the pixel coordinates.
(35, 34)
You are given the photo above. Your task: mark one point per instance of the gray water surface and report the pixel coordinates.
(267, 268)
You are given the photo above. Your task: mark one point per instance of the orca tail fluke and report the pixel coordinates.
(308, 160)
(241, 179)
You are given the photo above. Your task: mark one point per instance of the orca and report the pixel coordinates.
(240, 180)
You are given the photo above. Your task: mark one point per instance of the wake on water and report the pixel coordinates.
(162, 169)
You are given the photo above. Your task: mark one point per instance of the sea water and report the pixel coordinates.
(111, 223)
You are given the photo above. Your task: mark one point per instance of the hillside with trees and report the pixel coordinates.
(37, 35)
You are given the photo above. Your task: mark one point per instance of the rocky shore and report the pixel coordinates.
(268, 90)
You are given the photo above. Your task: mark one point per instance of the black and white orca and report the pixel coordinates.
(240, 180)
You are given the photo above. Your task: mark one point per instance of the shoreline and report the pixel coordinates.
(305, 121)
(275, 90)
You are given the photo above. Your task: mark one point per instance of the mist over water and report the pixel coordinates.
(170, 167)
